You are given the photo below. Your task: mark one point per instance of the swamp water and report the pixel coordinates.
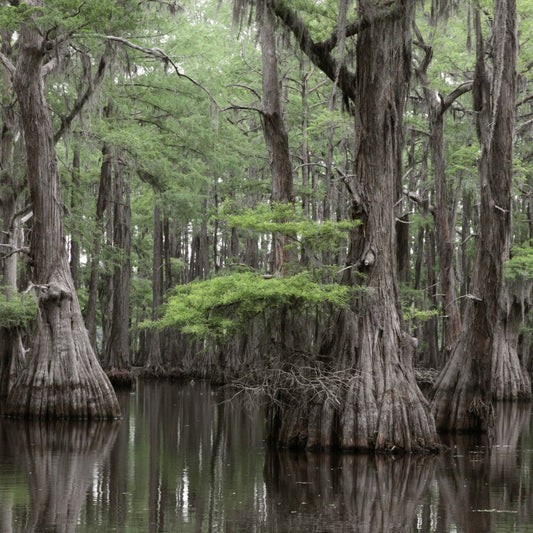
(183, 460)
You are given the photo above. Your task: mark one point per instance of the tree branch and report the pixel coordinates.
(456, 93)
(242, 86)
(165, 58)
(244, 108)
(13, 250)
(317, 53)
(82, 100)
(385, 11)
(7, 63)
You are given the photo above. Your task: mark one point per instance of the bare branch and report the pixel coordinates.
(251, 89)
(243, 107)
(7, 63)
(456, 93)
(525, 125)
(165, 58)
(82, 100)
(13, 250)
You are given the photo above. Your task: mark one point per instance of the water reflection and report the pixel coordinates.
(341, 493)
(187, 459)
(479, 486)
(60, 460)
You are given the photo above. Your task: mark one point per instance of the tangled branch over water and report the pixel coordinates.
(297, 384)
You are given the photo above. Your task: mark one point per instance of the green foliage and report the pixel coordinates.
(520, 265)
(16, 311)
(413, 305)
(71, 16)
(216, 307)
(421, 315)
(12, 16)
(286, 219)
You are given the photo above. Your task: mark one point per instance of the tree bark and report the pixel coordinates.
(101, 204)
(276, 136)
(199, 265)
(74, 204)
(117, 354)
(63, 378)
(154, 360)
(383, 408)
(12, 352)
(443, 214)
(462, 396)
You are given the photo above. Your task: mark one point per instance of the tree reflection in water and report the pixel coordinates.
(185, 458)
(479, 485)
(61, 460)
(341, 493)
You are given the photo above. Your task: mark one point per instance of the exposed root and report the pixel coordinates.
(310, 408)
(63, 378)
(121, 379)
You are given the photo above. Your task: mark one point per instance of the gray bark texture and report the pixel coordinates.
(382, 407)
(482, 364)
(63, 378)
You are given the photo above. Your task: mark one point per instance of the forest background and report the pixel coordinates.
(212, 160)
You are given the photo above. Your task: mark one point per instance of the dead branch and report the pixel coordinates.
(13, 250)
(157, 53)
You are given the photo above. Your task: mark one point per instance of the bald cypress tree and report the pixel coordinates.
(381, 407)
(63, 378)
(484, 362)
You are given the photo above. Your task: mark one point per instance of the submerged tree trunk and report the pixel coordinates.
(383, 408)
(63, 378)
(463, 393)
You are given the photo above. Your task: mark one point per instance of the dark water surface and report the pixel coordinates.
(182, 460)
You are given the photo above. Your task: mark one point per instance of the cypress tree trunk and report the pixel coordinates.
(74, 203)
(154, 360)
(383, 408)
(430, 326)
(463, 393)
(387, 409)
(444, 216)
(117, 354)
(63, 378)
(465, 260)
(199, 265)
(276, 137)
(11, 349)
(101, 204)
